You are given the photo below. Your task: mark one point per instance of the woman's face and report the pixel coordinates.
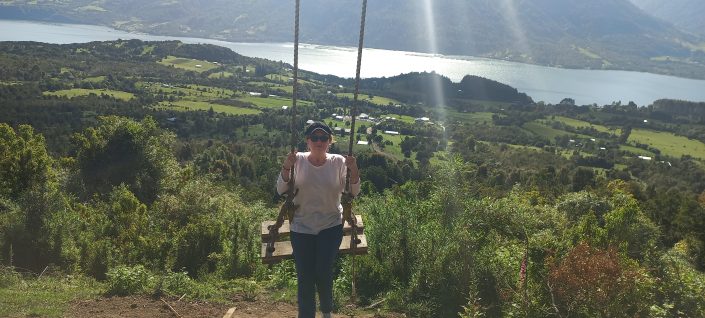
(318, 141)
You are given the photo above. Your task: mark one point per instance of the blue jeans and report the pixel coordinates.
(314, 256)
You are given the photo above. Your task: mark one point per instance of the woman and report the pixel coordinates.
(317, 228)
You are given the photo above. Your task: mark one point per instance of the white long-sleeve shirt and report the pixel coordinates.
(320, 190)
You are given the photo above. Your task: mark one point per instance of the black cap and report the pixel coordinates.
(318, 126)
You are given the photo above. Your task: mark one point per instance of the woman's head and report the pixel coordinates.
(318, 137)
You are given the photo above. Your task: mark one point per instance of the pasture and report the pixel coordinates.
(76, 92)
(271, 101)
(190, 92)
(186, 105)
(668, 143)
(188, 64)
(377, 100)
(576, 123)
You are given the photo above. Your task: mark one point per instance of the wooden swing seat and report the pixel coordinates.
(283, 249)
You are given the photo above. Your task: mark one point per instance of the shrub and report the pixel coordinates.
(126, 280)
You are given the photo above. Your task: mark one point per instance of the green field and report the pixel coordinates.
(221, 75)
(95, 79)
(188, 64)
(404, 118)
(636, 150)
(471, 118)
(185, 105)
(287, 79)
(71, 93)
(272, 101)
(548, 132)
(377, 100)
(576, 123)
(668, 143)
(273, 86)
(189, 92)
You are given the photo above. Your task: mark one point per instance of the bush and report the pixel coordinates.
(177, 284)
(126, 280)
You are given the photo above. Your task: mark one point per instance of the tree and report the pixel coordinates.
(123, 151)
(24, 162)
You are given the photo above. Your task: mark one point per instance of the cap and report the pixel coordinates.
(318, 126)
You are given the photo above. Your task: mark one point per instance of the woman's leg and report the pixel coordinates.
(304, 246)
(328, 242)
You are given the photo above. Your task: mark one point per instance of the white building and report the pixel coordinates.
(362, 142)
(391, 132)
(644, 157)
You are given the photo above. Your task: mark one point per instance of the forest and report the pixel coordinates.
(147, 168)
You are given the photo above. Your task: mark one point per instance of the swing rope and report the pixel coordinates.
(288, 207)
(347, 197)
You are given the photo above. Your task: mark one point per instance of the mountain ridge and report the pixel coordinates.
(604, 34)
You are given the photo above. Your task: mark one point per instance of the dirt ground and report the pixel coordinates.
(143, 307)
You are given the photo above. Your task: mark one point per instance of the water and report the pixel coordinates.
(542, 83)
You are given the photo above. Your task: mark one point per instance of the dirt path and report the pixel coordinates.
(143, 307)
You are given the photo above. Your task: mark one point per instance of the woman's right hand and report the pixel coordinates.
(289, 161)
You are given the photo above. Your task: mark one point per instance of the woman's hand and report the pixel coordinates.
(287, 165)
(351, 164)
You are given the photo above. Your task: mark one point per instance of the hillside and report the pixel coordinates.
(685, 14)
(136, 171)
(575, 34)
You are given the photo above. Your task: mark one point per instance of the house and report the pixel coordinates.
(644, 157)
(391, 132)
(285, 107)
(255, 94)
(362, 142)
(364, 116)
(310, 121)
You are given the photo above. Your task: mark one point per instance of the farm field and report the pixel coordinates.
(188, 64)
(473, 118)
(548, 132)
(185, 105)
(271, 101)
(377, 100)
(76, 92)
(576, 123)
(668, 143)
(190, 92)
(636, 150)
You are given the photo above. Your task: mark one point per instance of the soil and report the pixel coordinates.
(143, 307)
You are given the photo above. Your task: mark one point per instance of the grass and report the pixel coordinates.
(576, 123)
(273, 86)
(95, 79)
(188, 64)
(189, 92)
(636, 151)
(286, 79)
(71, 93)
(471, 118)
(588, 53)
(47, 296)
(186, 105)
(221, 75)
(404, 118)
(272, 101)
(10, 83)
(668, 143)
(91, 8)
(377, 100)
(545, 131)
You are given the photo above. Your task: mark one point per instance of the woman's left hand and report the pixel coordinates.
(351, 163)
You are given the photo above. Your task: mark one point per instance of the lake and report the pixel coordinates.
(542, 83)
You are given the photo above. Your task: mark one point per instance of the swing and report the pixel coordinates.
(354, 241)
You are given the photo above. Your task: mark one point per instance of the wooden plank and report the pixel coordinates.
(284, 229)
(283, 250)
(230, 313)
